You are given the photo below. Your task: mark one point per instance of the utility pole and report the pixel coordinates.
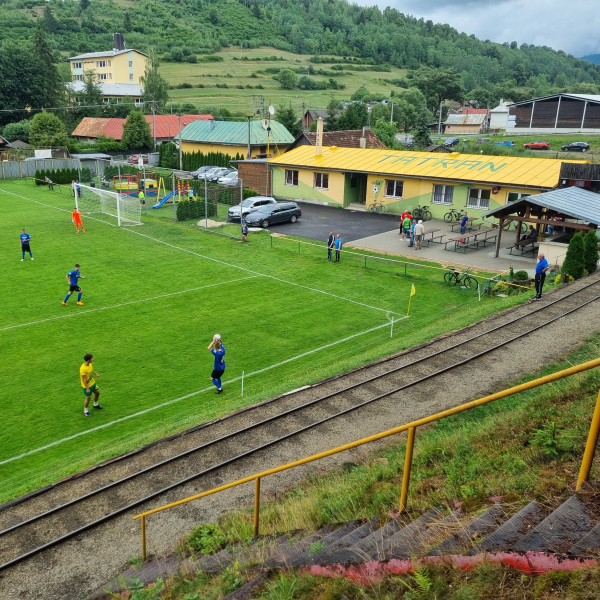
(171, 104)
(248, 156)
(154, 123)
(180, 152)
(440, 119)
(392, 114)
(303, 117)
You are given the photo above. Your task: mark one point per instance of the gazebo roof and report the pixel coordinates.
(572, 202)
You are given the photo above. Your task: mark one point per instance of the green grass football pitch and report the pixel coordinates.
(154, 296)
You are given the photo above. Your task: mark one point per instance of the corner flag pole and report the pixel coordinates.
(412, 293)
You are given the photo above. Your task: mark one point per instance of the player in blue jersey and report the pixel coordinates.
(217, 349)
(25, 247)
(73, 278)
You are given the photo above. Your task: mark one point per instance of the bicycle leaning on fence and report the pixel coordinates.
(377, 207)
(422, 213)
(452, 215)
(461, 277)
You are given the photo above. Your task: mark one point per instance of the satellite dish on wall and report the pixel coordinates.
(271, 109)
(265, 123)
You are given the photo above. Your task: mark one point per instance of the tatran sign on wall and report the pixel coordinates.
(445, 163)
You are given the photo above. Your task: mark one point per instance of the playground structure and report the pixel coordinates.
(181, 187)
(133, 184)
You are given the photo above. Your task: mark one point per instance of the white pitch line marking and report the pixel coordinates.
(83, 312)
(190, 395)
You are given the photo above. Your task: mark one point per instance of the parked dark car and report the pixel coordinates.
(199, 172)
(249, 205)
(274, 213)
(483, 140)
(451, 142)
(214, 177)
(576, 147)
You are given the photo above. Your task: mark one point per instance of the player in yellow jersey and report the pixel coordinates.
(88, 383)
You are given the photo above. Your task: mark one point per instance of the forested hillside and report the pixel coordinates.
(330, 27)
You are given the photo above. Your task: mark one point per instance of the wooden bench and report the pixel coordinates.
(433, 237)
(522, 246)
(471, 240)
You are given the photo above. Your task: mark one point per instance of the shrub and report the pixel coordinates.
(590, 252)
(521, 275)
(501, 288)
(574, 260)
(192, 58)
(249, 194)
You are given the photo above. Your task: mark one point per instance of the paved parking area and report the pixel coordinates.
(317, 221)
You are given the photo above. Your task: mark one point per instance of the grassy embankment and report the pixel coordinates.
(492, 450)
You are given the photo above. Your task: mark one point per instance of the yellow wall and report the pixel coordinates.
(305, 190)
(117, 67)
(230, 149)
(463, 129)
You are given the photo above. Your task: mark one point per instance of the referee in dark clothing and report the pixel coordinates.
(540, 275)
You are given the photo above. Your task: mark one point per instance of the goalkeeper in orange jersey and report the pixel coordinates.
(76, 218)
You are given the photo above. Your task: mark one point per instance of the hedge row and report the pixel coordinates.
(168, 158)
(193, 209)
(62, 176)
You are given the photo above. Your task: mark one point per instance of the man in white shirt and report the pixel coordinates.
(419, 233)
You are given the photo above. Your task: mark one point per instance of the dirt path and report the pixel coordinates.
(83, 564)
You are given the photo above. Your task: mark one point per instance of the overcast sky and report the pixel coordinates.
(569, 25)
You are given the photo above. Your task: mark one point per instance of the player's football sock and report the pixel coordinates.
(219, 382)
(215, 382)
(79, 297)
(67, 298)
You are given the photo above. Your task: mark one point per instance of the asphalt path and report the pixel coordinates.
(317, 221)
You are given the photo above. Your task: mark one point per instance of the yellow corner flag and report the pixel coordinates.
(413, 291)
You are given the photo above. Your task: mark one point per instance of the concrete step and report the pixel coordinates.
(303, 557)
(245, 592)
(560, 530)
(284, 553)
(328, 555)
(462, 540)
(513, 530)
(356, 206)
(405, 537)
(371, 547)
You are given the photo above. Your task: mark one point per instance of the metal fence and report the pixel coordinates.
(26, 168)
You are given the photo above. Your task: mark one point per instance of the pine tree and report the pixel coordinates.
(84, 4)
(286, 115)
(574, 260)
(54, 88)
(127, 24)
(590, 251)
(49, 21)
(136, 131)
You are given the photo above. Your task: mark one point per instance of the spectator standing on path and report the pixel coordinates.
(464, 222)
(217, 349)
(412, 233)
(330, 245)
(49, 182)
(25, 239)
(540, 275)
(419, 233)
(244, 231)
(406, 227)
(339, 242)
(402, 217)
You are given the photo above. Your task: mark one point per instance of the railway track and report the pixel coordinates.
(36, 525)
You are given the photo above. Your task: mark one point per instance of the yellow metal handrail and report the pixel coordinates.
(584, 472)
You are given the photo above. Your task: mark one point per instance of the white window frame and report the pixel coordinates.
(324, 181)
(479, 205)
(397, 183)
(101, 64)
(138, 101)
(78, 65)
(444, 200)
(131, 64)
(130, 76)
(289, 177)
(78, 77)
(519, 196)
(102, 76)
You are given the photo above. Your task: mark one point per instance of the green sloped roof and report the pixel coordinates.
(235, 132)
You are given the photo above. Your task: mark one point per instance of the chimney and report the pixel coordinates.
(211, 124)
(118, 42)
(319, 141)
(363, 138)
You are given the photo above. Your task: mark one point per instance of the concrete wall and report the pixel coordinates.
(554, 252)
(27, 168)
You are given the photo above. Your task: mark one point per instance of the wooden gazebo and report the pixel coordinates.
(577, 208)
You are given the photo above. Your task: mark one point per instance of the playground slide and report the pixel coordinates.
(165, 199)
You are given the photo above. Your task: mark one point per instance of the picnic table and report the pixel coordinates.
(470, 224)
(522, 246)
(433, 237)
(471, 240)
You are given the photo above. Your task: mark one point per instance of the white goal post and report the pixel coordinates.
(125, 208)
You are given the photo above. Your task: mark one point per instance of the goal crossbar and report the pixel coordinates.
(125, 208)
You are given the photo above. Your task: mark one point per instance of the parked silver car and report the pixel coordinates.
(229, 179)
(249, 205)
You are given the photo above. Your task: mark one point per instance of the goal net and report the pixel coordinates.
(125, 208)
